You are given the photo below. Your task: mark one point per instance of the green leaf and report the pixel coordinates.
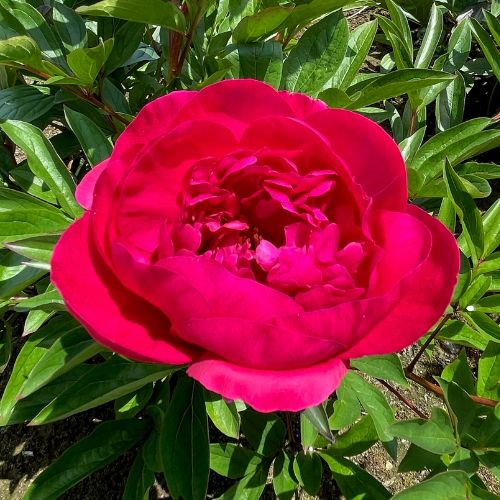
(488, 378)
(464, 274)
(460, 407)
(434, 435)
(417, 459)
(139, 482)
(37, 248)
(390, 85)
(358, 45)
(248, 488)
(375, 404)
(224, 415)
(260, 25)
(317, 55)
(493, 24)
(483, 323)
(491, 225)
(491, 263)
(431, 38)
(346, 409)
(154, 12)
(15, 275)
(450, 104)
(308, 434)
(354, 482)
(130, 405)
(464, 460)
(462, 334)
(304, 13)
(400, 21)
(308, 470)
(448, 217)
(22, 216)
(284, 481)
(387, 367)
(319, 419)
(69, 26)
(44, 162)
(466, 210)
(25, 102)
(261, 61)
(106, 443)
(127, 39)
(185, 446)
(86, 63)
(458, 46)
(95, 144)
(47, 301)
(264, 431)
(233, 461)
(491, 53)
(5, 347)
(68, 351)
(152, 448)
(35, 25)
(458, 143)
(451, 485)
(410, 145)
(475, 291)
(114, 98)
(459, 371)
(32, 351)
(105, 382)
(489, 304)
(20, 50)
(358, 438)
(484, 170)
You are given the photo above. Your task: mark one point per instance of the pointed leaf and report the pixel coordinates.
(106, 443)
(154, 12)
(185, 447)
(44, 162)
(105, 382)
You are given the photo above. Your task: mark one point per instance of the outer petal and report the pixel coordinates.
(270, 390)
(422, 295)
(303, 105)
(85, 190)
(370, 153)
(111, 314)
(152, 121)
(243, 321)
(235, 104)
(406, 242)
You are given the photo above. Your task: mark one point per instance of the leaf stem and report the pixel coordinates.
(439, 392)
(431, 337)
(83, 95)
(402, 398)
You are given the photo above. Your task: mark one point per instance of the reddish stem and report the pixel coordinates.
(426, 344)
(406, 401)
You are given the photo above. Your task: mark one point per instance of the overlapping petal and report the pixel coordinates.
(112, 315)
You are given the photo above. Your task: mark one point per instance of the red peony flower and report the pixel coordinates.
(257, 236)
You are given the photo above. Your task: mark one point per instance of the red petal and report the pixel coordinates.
(112, 315)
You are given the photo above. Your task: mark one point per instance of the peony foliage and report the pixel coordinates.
(254, 245)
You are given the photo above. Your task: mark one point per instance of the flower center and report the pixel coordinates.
(264, 219)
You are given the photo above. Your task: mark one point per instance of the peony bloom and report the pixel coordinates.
(257, 236)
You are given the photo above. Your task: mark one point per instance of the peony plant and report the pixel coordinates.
(251, 248)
